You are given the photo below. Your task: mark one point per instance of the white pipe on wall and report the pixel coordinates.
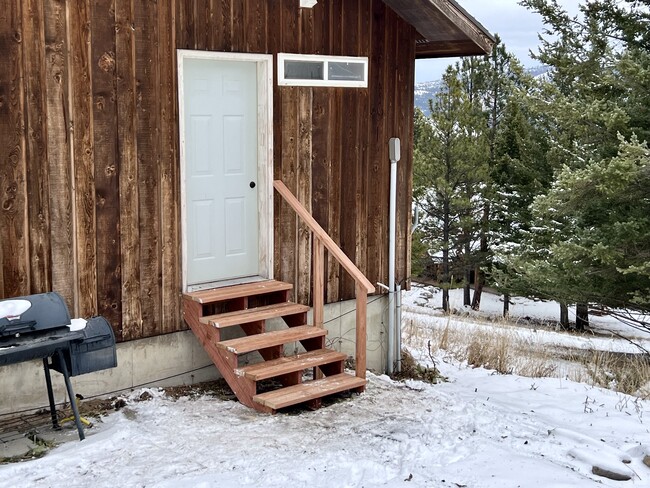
(394, 156)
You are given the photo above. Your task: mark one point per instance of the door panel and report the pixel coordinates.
(221, 134)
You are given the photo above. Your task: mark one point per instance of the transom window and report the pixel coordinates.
(315, 70)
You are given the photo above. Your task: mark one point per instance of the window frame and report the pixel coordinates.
(326, 82)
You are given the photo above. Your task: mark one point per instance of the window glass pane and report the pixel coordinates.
(303, 70)
(345, 71)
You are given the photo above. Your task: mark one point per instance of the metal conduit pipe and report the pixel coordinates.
(394, 156)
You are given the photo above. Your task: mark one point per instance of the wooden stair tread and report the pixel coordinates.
(248, 315)
(256, 342)
(310, 390)
(290, 364)
(238, 291)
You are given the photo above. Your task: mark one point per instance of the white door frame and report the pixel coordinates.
(264, 64)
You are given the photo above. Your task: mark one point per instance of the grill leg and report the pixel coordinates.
(73, 402)
(50, 394)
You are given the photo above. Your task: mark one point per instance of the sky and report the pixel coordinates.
(517, 26)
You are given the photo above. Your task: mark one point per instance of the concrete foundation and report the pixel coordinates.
(179, 359)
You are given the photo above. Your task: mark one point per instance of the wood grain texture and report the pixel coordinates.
(169, 174)
(336, 154)
(81, 119)
(107, 185)
(38, 212)
(303, 175)
(350, 154)
(14, 232)
(58, 150)
(89, 146)
(131, 327)
(147, 74)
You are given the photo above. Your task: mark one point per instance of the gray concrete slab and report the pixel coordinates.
(14, 444)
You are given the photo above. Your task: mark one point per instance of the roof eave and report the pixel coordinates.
(446, 28)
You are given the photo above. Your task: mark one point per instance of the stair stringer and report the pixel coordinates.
(225, 361)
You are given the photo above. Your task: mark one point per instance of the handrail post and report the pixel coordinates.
(362, 307)
(318, 296)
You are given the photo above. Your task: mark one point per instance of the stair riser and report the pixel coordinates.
(295, 320)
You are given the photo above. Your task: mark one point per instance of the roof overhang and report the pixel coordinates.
(446, 29)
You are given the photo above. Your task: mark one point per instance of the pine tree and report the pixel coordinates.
(447, 172)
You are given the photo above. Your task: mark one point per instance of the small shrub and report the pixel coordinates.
(411, 369)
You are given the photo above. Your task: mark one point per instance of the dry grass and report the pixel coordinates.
(502, 349)
(411, 369)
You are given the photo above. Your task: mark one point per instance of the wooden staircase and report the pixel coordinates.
(249, 306)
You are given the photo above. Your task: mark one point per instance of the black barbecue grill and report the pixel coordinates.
(37, 327)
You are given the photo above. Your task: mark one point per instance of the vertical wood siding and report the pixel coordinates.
(89, 157)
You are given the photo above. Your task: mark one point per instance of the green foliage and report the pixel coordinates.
(449, 167)
(592, 238)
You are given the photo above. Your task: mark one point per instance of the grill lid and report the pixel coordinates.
(33, 313)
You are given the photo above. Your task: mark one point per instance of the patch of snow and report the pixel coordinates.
(77, 324)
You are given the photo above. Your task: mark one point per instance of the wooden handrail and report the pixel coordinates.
(319, 232)
(362, 286)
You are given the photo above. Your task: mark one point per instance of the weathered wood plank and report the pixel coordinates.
(257, 314)
(128, 170)
(109, 290)
(169, 173)
(318, 297)
(147, 72)
(287, 238)
(289, 364)
(13, 227)
(38, 213)
(350, 161)
(256, 342)
(303, 177)
(201, 17)
(257, 23)
(405, 84)
(185, 32)
(237, 291)
(275, 45)
(361, 330)
(83, 157)
(335, 130)
(304, 392)
(237, 29)
(378, 166)
(58, 151)
(361, 202)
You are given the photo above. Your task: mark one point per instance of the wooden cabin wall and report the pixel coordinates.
(89, 164)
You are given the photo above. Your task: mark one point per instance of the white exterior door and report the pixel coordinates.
(220, 145)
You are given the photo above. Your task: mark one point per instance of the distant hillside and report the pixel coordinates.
(427, 90)
(424, 92)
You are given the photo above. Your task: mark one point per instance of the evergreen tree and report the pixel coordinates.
(605, 208)
(447, 173)
(589, 240)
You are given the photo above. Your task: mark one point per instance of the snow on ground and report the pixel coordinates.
(478, 430)
(424, 300)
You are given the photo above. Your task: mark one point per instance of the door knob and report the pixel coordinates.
(252, 184)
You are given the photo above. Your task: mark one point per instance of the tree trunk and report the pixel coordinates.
(479, 281)
(564, 315)
(582, 316)
(479, 278)
(446, 282)
(506, 305)
(468, 276)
